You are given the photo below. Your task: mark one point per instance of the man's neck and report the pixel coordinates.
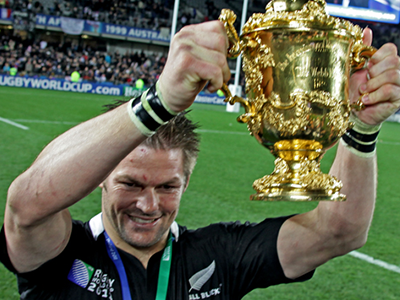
(143, 254)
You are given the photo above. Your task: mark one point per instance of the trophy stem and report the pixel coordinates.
(297, 175)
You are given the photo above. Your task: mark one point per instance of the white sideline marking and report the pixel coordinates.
(13, 123)
(374, 261)
(45, 122)
(388, 143)
(223, 132)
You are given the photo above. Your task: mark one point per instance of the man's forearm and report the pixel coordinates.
(350, 220)
(74, 164)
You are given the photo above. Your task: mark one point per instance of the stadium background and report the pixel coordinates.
(107, 54)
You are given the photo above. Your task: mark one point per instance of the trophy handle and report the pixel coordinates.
(361, 55)
(228, 18)
(248, 106)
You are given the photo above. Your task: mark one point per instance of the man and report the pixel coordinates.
(125, 253)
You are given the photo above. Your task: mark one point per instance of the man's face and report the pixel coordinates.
(141, 197)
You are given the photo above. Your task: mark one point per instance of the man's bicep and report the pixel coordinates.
(31, 246)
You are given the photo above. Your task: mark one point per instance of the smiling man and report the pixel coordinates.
(142, 154)
(141, 199)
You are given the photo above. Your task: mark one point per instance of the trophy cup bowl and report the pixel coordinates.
(297, 62)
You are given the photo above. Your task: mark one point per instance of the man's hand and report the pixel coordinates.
(197, 56)
(382, 90)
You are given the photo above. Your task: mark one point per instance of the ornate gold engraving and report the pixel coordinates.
(308, 177)
(305, 184)
(260, 58)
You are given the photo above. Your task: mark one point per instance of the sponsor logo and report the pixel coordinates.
(59, 85)
(210, 99)
(132, 92)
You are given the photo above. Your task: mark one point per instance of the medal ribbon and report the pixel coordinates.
(163, 273)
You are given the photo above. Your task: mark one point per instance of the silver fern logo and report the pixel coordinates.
(201, 277)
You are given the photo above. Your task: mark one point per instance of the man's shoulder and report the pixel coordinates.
(89, 230)
(221, 234)
(232, 227)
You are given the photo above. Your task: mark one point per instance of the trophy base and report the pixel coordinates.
(299, 180)
(297, 196)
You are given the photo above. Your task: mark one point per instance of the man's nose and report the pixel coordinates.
(148, 201)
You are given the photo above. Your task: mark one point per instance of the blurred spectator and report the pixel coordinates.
(6, 68)
(29, 67)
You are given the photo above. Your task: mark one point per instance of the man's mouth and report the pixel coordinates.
(143, 221)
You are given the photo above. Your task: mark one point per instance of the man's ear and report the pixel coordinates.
(103, 186)
(187, 183)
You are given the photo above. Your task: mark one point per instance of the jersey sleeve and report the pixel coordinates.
(47, 279)
(3, 252)
(255, 257)
(245, 255)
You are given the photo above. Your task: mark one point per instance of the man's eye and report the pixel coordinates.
(130, 184)
(169, 188)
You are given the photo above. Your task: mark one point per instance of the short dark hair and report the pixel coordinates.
(178, 133)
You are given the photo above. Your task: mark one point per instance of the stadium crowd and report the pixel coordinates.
(60, 61)
(135, 13)
(37, 58)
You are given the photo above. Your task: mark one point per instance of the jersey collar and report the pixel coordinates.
(97, 227)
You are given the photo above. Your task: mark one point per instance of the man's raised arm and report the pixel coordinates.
(336, 228)
(37, 223)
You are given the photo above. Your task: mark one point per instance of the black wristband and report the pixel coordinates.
(143, 115)
(363, 144)
(148, 111)
(155, 103)
(365, 148)
(363, 137)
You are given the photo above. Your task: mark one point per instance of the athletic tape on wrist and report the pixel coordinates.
(149, 111)
(361, 139)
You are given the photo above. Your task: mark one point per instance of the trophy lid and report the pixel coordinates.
(299, 15)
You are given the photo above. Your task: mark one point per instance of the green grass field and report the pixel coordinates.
(230, 160)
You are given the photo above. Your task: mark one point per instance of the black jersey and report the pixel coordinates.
(220, 261)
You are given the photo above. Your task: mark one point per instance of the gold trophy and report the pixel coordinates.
(297, 62)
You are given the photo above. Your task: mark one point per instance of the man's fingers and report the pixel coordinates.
(375, 114)
(386, 93)
(384, 59)
(197, 56)
(367, 37)
(211, 35)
